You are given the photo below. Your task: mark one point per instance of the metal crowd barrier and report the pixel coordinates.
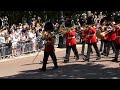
(4, 51)
(22, 48)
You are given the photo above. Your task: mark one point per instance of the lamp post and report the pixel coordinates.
(62, 41)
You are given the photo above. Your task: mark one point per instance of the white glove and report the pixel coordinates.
(45, 42)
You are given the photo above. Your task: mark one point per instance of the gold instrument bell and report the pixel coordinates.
(98, 34)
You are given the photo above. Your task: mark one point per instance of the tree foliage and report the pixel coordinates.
(16, 16)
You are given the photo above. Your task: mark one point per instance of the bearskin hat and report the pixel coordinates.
(48, 26)
(68, 23)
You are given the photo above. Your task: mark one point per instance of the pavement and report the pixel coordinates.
(23, 68)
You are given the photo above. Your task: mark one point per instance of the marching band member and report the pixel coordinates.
(104, 38)
(110, 40)
(84, 36)
(117, 43)
(70, 41)
(101, 39)
(84, 32)
(92, 40)
(49, 49)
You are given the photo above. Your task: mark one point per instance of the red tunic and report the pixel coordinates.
(111, 36)
(106, 37)
(92, 35)
(117, 40)
(70, 38)
(84, 36)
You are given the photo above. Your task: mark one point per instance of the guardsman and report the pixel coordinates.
(110, 40)
(71, 42)
(104, 38)
(101, 39)
(117, 43)
(49, 49)
(84, 36)
(92, 40)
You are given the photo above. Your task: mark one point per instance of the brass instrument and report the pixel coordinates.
(100, 34)
(64, 30)
(105, 33)
(44, 35)
(47, 35)
(108, 31)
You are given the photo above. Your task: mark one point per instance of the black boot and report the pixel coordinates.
(98, 58)
(102, 53)
(77, 59)
(42, 69)
(66, 61)
(87, 59)
(55, 67)
(115, 60)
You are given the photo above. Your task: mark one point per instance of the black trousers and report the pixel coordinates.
(117, 47)
(105, 46)
(101, 45)
(68, 50)
(83, 48)
(80, 34)
(110, 44)
(45, 59)
(89, 49)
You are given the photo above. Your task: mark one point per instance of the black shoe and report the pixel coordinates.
(114, 60)
(98, 58)
(41, 62)
(86, 59)
(56, 67)
(66, 61)
(41, 69)
(100, 50)
(81, 54)
(91, 52)
(102, 53)
(106, 55)
(77, 59)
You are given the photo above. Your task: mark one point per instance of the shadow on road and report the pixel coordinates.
(71, 71)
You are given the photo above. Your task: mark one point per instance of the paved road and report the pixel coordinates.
(23, 68)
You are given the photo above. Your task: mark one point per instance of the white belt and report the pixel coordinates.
(71, 37)
(91, 34)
